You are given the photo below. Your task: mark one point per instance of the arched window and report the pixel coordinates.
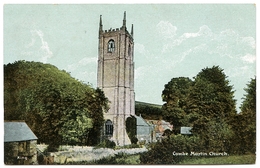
(109, 128)
(111, 46)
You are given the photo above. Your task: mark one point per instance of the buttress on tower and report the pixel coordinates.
(116, 78)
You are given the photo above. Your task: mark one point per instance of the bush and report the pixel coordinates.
(162, 152)
(107, 144)
(52, 147)
(131, 129)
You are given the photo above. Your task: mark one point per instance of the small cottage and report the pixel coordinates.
(19, 144)
(144, 131)
(151, 130)
(160, 126)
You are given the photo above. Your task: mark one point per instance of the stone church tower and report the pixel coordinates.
(116, 78)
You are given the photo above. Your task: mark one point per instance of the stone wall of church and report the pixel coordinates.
(116, 77)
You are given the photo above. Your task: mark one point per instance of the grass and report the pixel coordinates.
(129, 160)
(225, 160)
(124, 159)
(121, 159)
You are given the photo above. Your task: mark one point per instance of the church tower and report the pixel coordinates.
(116, 78)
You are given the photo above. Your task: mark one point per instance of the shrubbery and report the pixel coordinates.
(131, 129)
(162, 152)
(106, 144)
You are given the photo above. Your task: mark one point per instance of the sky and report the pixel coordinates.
(170, 40)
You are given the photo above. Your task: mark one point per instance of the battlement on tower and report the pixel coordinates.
(117, 29)
(122, 29)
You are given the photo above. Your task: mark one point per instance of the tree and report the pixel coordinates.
(77, 130)
(206, 104)
(51, 101)
(213, 94)
(176, 94)
(245, 122)
(97, 104)
(249, 103)
(212, 103)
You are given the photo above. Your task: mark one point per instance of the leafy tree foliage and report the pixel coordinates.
(212, 100)
(176, 94)
(131, 129)
(245, 122)
(249, 103)
(54, 105)
(206, 104)
(213, 94)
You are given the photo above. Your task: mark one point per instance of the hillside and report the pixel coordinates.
(148, 110)
(148, 104)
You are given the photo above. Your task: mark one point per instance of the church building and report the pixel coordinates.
(115, 76)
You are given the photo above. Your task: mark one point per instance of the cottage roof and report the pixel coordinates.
(186, 130)
(166, 125)
(140, 121)
(17, 131)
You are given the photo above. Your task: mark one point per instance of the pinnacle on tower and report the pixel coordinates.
(124, 20)
(132, 30)
(100, 24)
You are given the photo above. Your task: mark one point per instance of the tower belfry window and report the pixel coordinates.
(111, 46)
